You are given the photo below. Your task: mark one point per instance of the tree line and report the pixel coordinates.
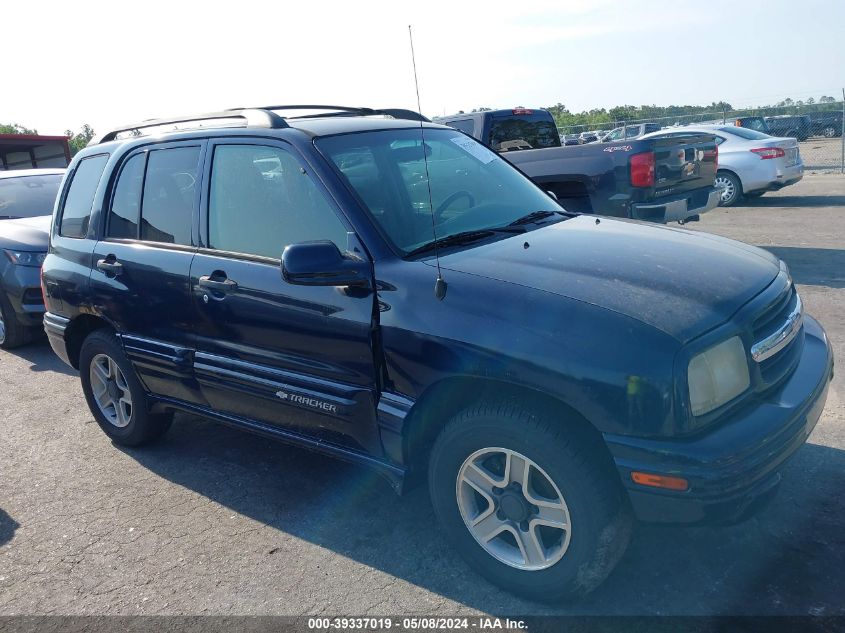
(609, 117)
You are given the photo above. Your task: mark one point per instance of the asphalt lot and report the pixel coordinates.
(212, 521)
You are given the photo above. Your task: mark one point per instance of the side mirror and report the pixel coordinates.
(322, 264)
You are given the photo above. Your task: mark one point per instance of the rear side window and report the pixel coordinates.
(126, 205)
(742, 132)
(80, 196)
(169, 193)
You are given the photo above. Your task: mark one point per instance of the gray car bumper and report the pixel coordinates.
(678, 208)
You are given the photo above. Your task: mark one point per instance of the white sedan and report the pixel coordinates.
(750, 162)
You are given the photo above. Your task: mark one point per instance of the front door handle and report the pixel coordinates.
(217, 285)
(110, 266)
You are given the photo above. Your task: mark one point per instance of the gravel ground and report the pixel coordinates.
(212, 521)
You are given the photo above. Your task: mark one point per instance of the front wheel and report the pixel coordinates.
(731, 188)
(12, 333)
(115, 395)
(532, 508)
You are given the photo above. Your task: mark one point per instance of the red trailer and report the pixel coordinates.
(31, 151)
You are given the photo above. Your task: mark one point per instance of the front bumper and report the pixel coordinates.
(22, 285)
(733, 470)
(678, 208)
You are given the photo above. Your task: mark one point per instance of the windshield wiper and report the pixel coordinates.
(533, 217)
(464, 237)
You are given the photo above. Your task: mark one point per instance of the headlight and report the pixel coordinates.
(26, 258)
(717, 376)
(785, 269)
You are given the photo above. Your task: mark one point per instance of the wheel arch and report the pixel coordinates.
(78, 330)
(442, 400)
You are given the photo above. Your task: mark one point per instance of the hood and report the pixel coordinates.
(679, 281)
(26, 234)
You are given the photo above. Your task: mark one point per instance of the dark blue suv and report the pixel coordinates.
(389, 291)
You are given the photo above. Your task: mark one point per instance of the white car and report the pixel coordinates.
(750, 162)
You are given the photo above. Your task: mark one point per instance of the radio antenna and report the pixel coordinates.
(439, 284)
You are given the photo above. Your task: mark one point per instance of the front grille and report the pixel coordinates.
(778, 366)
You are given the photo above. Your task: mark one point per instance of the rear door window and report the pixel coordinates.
(170, 188)
(76, 213)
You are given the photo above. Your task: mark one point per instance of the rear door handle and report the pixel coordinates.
(110, 266)
(217, 285)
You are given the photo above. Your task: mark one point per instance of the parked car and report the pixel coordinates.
(826, 123)
(787, 125)
(750, 163)
(29, 194)
(668, 180)
(630, 132)
(569, 139)
(587, 137)
(318, 308)
(756, 123)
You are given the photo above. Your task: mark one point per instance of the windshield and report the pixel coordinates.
(28, 196)
(472, 189)
(744, 132)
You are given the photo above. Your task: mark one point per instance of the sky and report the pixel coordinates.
(110, 63)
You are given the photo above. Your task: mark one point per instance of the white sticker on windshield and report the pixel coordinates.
(474, 149)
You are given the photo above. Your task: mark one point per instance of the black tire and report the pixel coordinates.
(600, 517)
(736, 189)
(143, 427)
(830, 131)
(12, 333)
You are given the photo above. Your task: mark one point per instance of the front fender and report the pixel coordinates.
(614, 371)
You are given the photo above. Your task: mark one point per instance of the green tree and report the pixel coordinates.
(15, 128)
(80, 140)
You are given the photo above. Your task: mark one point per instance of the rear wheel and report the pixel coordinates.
(829, 131)
(12, 333)
(730, 186)
(530, 507)
(115, 395)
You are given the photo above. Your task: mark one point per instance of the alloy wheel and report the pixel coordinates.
(2, 329)
(513, 509)
(111, 391)
(728, 189)
(829, 131)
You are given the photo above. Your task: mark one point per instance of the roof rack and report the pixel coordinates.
(253, 117)
(336, 110)
(263, 117)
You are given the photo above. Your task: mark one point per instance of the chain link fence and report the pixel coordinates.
(818, 128)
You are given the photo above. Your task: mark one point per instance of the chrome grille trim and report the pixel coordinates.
(775, 342)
